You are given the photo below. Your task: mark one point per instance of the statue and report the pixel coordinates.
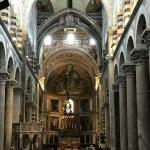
(61, 21)
(69, 20)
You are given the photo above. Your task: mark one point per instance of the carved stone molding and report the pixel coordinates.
(129, 69)
(115, 87)
(17, 87)
(139, 55)
(146, 37)
(69, 20)
(4, 77)
(11, 84)
(121, 80)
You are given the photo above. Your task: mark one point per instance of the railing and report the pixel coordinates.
(64, 43)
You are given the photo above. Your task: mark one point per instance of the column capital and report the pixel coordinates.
(121, 80)
(4, 77)
(18, 86)
(129, 69)
(139, 55)
(146, 37)
(11, 83)
(115, 87)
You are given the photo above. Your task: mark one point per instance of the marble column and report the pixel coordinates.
(146, 37)
(129, 70)
(107, 123)
(17, 105)
(115, 88)
(37, 101)
(111, 103)
(123, 112)
(9, 112)
(3, 79)
(139, 56)
(28, 114)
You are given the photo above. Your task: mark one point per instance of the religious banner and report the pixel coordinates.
(4, 4)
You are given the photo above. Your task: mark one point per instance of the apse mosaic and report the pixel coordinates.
(69, 80)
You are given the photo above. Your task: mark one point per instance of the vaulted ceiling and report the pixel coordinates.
(24, 8)
(55, 59)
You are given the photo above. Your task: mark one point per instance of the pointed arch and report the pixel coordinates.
(115, 72)
(79, 20)
(2, 57)
(140, 28)
(17, 98)
(130, 46)
(18, 76)
(10, 68)
(121, 62)
(29, 85)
